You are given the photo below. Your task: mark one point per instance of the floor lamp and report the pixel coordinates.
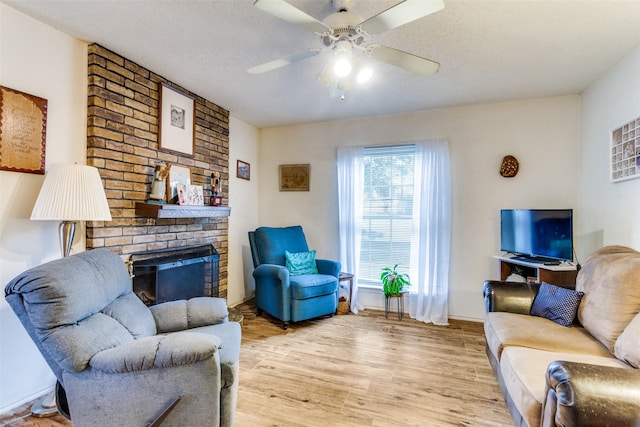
(70, 193)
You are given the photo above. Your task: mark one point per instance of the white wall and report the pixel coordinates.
(41, 61)
(243, 198)
(543, 134)
(610, 212)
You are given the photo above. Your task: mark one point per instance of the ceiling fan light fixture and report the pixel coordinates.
(342, 67)
(364, 75)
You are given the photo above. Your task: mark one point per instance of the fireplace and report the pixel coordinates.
(173, 274)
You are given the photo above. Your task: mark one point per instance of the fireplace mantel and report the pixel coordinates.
(177, 211)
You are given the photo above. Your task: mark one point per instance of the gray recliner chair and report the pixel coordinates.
(120, 362)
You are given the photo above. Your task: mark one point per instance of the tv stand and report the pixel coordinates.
(536, 260)
(537, 271)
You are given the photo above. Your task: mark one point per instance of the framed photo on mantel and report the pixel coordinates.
(177, 121)
(178, 175)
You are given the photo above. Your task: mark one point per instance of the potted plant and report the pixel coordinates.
(393, 282)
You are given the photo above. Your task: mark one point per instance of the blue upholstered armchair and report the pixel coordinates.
(286, 296)
(120, 362)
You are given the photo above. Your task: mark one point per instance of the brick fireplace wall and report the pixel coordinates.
(122, 142)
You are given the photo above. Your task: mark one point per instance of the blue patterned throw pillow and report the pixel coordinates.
(557, 304)
(301, 262)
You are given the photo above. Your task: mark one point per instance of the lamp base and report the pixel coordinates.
(45, 406)
(67, 231)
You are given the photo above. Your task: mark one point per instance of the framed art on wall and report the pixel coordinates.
(294, 177)
(23, 131)
(177, 121)
(243, 170)
(625, 151)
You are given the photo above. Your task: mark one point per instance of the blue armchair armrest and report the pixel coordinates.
(272, 271)
(330, 267)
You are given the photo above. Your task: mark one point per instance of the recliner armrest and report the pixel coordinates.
(329, 267)
(513, 297)
(186, 314)
(579, 394)
(159, 351)
(272, 271)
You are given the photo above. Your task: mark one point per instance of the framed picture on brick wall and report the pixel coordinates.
(177, 121)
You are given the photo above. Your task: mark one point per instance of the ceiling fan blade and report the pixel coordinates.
(272, 65)
(400, 14)
(410, 62)
(283, 10)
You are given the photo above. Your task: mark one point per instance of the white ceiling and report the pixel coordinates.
(488, 50)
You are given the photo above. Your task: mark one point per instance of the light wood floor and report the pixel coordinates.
(361, 370)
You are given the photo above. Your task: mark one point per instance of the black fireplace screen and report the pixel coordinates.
(173, 274)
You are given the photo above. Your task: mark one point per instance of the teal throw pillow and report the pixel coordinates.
(557, 304)
(301, 262)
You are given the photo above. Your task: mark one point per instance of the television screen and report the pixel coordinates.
(537, 233)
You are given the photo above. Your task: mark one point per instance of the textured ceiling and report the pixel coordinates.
(489, 51)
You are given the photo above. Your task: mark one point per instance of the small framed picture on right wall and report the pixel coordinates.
(625, 151)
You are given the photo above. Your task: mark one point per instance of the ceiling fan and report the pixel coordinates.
(344, 32)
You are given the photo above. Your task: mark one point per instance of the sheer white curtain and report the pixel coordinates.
(428, 297)
(350, 198)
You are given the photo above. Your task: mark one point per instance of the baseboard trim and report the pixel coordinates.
(6, 409)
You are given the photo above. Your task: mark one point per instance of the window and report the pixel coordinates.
(394, 207)
(387, 224)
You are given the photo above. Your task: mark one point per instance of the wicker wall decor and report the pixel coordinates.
(509, 167)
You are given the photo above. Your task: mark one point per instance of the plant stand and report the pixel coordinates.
(387, 304)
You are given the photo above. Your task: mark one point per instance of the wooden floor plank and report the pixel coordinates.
(356, 371)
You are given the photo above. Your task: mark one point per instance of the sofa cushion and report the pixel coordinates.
(556, 304)
(627, 346)
(524, 371)
(301, 262)
(503, 329)
(312, 285)
(610, 280)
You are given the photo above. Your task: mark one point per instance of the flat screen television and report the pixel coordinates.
(537, 234)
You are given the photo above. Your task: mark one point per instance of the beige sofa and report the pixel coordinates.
(583, 375)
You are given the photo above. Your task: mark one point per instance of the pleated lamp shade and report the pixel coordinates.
(72, 193)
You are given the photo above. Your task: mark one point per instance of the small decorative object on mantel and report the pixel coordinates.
(625, 151)
(190, 195)
(196, 195)
(158, 189)
(216, 198)
(177, 175)
(23, 131)
(509, 167)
